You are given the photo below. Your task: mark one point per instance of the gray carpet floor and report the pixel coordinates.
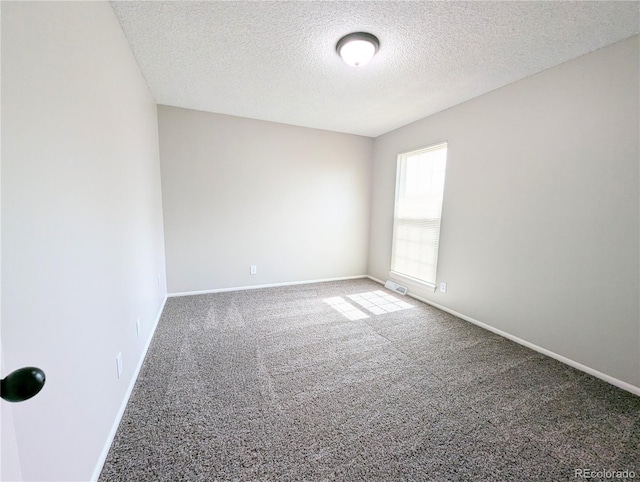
(313, 383)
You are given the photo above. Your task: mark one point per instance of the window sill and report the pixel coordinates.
(412, 281)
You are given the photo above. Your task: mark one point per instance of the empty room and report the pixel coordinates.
(320, 240)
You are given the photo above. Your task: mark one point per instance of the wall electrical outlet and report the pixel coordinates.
(253, 269)
(119, 364)
(443, 287)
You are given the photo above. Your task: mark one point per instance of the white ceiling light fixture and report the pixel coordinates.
(357, 48)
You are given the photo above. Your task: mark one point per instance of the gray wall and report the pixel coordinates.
(540, 219)
(238, 192)
(82, 243)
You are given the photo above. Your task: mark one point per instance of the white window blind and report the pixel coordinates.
(418, 210)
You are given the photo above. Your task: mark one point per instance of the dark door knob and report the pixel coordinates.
(22, 384)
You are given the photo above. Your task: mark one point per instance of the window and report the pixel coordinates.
(416, 223)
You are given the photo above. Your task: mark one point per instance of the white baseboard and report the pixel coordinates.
(567, 361)
(376, 280)
(255, 287)
(125, 400)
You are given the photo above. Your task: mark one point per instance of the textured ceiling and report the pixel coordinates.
(276, 61)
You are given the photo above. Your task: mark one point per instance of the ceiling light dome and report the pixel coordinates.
(357, 48)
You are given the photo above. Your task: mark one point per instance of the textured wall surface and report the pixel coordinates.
(277, 61)
(82, 243)
(540, 218)
(238, 192)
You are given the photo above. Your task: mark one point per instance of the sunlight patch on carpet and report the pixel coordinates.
(378, 302)
(347, 310)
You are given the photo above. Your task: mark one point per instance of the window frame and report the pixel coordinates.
(402, 157)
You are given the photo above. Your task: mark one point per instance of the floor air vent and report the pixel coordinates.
(390, 285)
